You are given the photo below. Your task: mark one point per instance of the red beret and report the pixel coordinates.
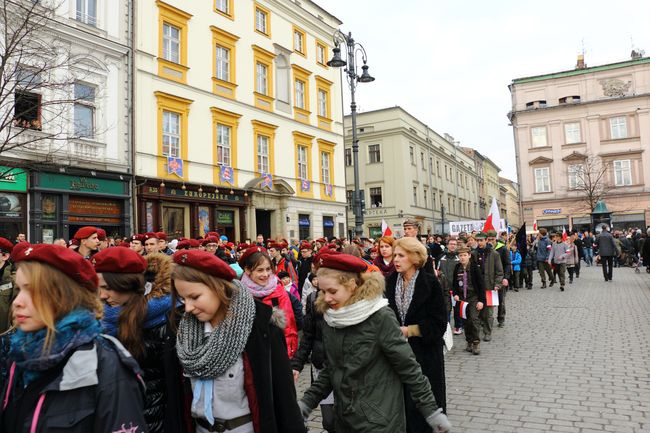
(212, 234)
(373, 249)
(183, 245)
(85, 232)
(230, 244)
(205, 262)
(119, 260)
(249, 252)
(342, 262)
(150, 235)
(161, 235)
(194, 243)
(5, 245)
(138, 237)
(73, 242)
(101, 234)
(65, 260)
(276, 245)
(20, 246)
(321, 240)
(322, 252)
(210, 240)
(304, 245)
(242, 247)
(124, 244)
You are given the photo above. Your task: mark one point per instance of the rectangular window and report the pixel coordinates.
(321, 54)
(302, 162)
(618, 127)
(348, 157)
(299, 41)
(425, 196)
(261, 20)
(376, 199)
(424, 166)
(171, 134)
(223, 144)
(171, 43)
(87, 12)
(261, 78)
(27, 110)
(223, 63)
(622, 172)
(542, 180)
(576, 176)
(300, 94)
(415, 196)
(322, 103)
(412, 155)
(538, 134)
(325, 167)
(84, 110)
(572, 133)
(263, 153)
(223, 6)
(438, 168)
(348, 197)
(374, 154)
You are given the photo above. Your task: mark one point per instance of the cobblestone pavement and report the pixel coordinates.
(573, 361)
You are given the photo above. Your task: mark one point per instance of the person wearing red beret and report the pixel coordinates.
(163, 245)
(62, 368)
(231, 348)
(7, 289)
(102, 238)
(137, 314)
(261, 280)
(150, 243)
(355, 313)
(211, 244)
(88, 241)
(137, 244)
(281, 261)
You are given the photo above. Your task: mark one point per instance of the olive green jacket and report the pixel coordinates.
(493, 272)
(367, 364)
(6, 296)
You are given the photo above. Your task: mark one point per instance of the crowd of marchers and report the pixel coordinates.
(146, 335)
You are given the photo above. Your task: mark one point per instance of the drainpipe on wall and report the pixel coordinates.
(130, 98)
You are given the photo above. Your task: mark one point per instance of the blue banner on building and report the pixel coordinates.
(175, 166)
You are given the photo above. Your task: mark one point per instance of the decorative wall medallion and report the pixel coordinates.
(615, 87)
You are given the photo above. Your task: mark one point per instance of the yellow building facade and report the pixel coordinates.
(238, 120)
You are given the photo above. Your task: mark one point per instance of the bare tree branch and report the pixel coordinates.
(591, 183)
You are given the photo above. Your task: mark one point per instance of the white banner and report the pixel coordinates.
(469, 226)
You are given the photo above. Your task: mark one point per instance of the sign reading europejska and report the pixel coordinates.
(469, 226)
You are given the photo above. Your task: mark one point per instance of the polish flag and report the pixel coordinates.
(564, 234)
(492, 297)
(385, 230)
(493, 220)
(535, 225)
(462, 309)
(453, 301)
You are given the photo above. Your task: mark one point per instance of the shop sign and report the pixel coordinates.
(376, 212)
(94, 210)
(10, 206)
(375, 232)
(456, 227)
(81, 184)
(204, 195)
(552, 211)
(13, 179)
(225, 218)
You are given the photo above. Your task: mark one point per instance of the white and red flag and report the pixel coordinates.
(493, 220)
(535, 225)
(462, 309)
(385, 229)
(492, 298)
(565, 236)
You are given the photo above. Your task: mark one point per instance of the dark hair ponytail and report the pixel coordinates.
(133, 313)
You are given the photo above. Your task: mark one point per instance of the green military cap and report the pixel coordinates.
(480, 235)
(411, 222)
(491, 233)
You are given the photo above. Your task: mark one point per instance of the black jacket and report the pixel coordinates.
(312, 337)
(275, 392)
(98, 391)
(606, 244)
(475, 277)
(304, 268)
(427, 310)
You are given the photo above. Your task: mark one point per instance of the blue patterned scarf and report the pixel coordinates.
(75, 329)
(157, 311)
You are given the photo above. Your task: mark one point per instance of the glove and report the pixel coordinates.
(438, 421)
(304, 410)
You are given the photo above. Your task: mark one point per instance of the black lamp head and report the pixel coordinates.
(337, 61)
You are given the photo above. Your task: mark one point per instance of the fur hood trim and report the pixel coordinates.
(159, 264)
(278, 318)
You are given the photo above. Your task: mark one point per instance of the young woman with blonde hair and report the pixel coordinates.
(65, 376)
(368, 359)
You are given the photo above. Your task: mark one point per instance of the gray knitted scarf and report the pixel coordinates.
(210, 356)
(404, 295)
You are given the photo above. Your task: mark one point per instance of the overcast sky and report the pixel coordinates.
(449, 62)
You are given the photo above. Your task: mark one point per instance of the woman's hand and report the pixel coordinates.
(456, 298)
(405, 331)
(296, 374)
(479, 306)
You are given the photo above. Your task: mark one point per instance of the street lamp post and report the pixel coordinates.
(353, 78)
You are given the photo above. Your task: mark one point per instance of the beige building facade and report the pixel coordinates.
(407, 170)
(239, 119)
(509, 202)
(488, 180)
(569, 125)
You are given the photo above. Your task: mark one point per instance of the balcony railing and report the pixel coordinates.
(91, 20)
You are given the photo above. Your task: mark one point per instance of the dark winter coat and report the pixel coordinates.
(312, 337)
(428, 311)
(367, 366)
(7, 294)
(268, 379)
(606, 245)
(543, 249)
(474, 278)
(304, 268)
(492, 269)
(96, 389)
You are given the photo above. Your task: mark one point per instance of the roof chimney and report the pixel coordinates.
(581, 62)
(637, 54)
